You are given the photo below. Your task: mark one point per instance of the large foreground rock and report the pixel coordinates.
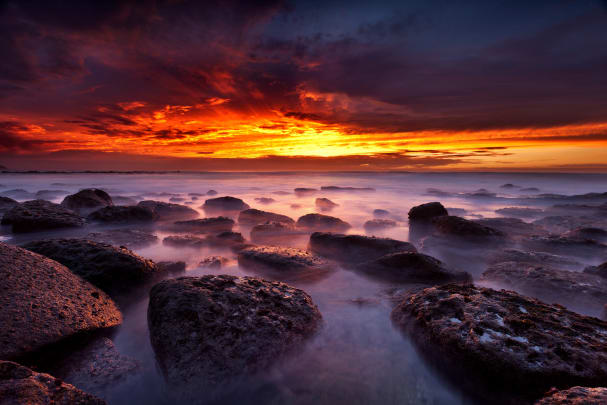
(20, 385)
(205, 330)
(281, 261)
(42, 302)
(322, 223)
(509, 343)
(88, 200)
(575, 396)
(40, 215)
(254, 216)
(355, 248)
(113, 269)
(224, 204)
(412, 267)
(123, 214)
(169, 211)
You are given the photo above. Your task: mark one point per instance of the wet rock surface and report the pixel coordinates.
(373, 225)
(425, 212)
(20, 385)
(280, 259)
(575, 396)
(204, 225)
(511, 343)
(355, 248)
(111, 268)
(319, 222)
(40, 215)
(169, 211)
(88, 200)
(460, 228)
(43, 302)
(131, 238)
(212, 328)
(254, 216)
(412, 267)
(122, 215)
(221, 204)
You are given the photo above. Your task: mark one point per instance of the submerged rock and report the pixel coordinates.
(130, 238)
(510, 343)
(575, 396)
(355, 248)
(204, 225)
(111, 268)
(40, 215)
(20, 385)
(123, 214)
(410, 267)
(254, 216)
(322, 223)
(223, 204)
(169, 211)
(425, 212)
(42, 302)
(324, 204)
(379, 224)
(88, 200)
(207, 330)
(281, 260)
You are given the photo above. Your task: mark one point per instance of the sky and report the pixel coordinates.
(304, 85)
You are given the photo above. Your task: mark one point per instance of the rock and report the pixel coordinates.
(19, 194)
(319, 222)
(123, 200)
(98, 367)
(188, 241)
(131, 238)
(295, 206)
(575, 396)
(565, 223)
(207, 330)
(111, 268)
(461, 228)
(425, 212)
(171, 267)
(595, 234)
(42, 302)
(502, 341)
(379, 224)
(480, 193)
(572, 246)
(324, 204)
(540, 258)
(509, 186)
(522, 212)
(211, 192)
(176, 199)
(40, 215)
(438, 193)
(88, 200)
(224, 204)
(204, 225)
(169, 211)
(253, 217)
(408, 267)
(583, 292)
(49, 194)
(530, 190)
(196, 194)
(513, 227)
(379, 213)
(265, 200)
(458, 211)
(302, 191)
(6, 204)
(280, 192)
(274, 233)
(355, 248)
(214, 262)
(20, 385)
(281, 261)
(123, 214)
(227, 239)
(337, 188)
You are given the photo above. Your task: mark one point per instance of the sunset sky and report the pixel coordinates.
(314, 85)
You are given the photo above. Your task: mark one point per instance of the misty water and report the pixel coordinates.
(358, 357)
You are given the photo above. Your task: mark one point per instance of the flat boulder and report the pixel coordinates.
(427, 211)
(324, 204)
(20, 385)
(207, 330)
(111, 268)
(411, 267)
(224, 204)
(497, 343)
(281, 260)
(254, 217)
(204, 225)
(575, 396)
(88, 200)
(322, 223)
(119, 214)
(169, 211)
(355, 248)
(131, 238)
(40, 215)
(43, 302)
(374, 225)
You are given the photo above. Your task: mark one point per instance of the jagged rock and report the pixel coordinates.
(425, 212)
(130, 238)
(88, 200)
(281, 260)
(206, 330)
(253, 217)
(20, 385)
(214, 262)
(111, 268)
(355, 248)
(507, 342)
(542, 258)
(575, 396)
(123, 214)
(513, 227)
(583, 248)
(169, 211)
(322, 223)
(324, 204)
(379, 224)
(39, 215)
(42, 302)
(204, 225)
(224, 204)
(412, 267)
